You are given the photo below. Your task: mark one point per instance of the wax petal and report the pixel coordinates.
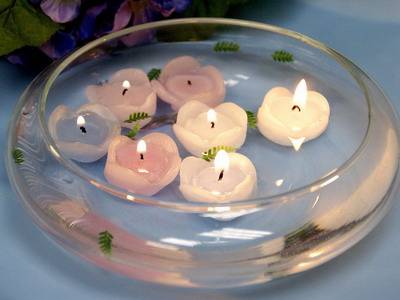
(191, 166)
(192, 142)
(191, 110)
(235, 112)
(130, 180)
(188, 66)
(140, 97)
(234, 137)
(277, 92)
(77, 150)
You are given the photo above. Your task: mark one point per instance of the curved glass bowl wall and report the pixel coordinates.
(311, 205)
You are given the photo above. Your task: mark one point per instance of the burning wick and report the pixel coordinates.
(212, 117)
(300, 96)
(80, 122)
(126, 85)
(141, 148)
(221, 163)
(189, 82)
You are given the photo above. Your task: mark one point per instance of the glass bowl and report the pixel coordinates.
(311, 205)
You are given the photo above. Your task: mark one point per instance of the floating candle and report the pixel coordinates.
(145, 166)
(291, 120)
(83, 135)
(183, 79)
(128, 91)
(230, 177)
(199, 128)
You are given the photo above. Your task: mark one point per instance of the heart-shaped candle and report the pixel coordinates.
(230, 177)
(183, 79)
(292, 119)
(128, 91)
(83, 135)
(199, 127)
(145, 166)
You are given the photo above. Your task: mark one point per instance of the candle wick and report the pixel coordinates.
(189, 82)
(221, 175)
(212, 124)
(124, 91)
(141, 156)
(296, 107)
(83, 129)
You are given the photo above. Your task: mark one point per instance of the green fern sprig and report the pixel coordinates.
(282, 56)
(18, 156)
(137, 116)
(154, 74)
(211, 153)
(251, 119)
(134, 131)
(225, 46)
(105, 242)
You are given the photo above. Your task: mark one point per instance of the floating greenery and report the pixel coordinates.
(225, 46)
(137, 116)
(210, 154)
(18, 156)
(251, 119)
(282, 56)
(153, 74)
(105, 242)
(134, 131)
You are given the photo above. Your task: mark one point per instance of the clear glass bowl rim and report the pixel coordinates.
(197, 207)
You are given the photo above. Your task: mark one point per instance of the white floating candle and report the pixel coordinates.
(145, 166)
(83, 135)
(199, 128)
(291, 120)
(128, 91)
(183, 79)
(230, 177)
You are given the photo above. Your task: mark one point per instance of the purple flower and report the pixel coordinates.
(61, 11)
(138, 12)
(60, 44)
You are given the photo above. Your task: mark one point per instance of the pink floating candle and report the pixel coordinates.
(145, 166)
(183, 79)
(128, 91)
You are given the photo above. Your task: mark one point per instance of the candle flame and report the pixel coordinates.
(300, 95)
(141, 147)
(80, 121)
(126, 84)
(211, 116)
(297, 142)
(221, 161)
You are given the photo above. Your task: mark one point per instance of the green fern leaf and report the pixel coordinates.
(251, 119)
(105, 242)
(153, 74)
(18, 156)
(211, 153)
(134, 131)
(282, 56)
(225, 46)
(137, 116)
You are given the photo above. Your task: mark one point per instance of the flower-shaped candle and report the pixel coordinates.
(128, 91)
(288, 119)
(184, 79)
(145, 166)
(199, 127)
(230, 177)
(83, 135)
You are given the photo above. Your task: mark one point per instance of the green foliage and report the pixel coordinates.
(211, 153)
(137, 116)
(134, 131)
(105, 242)
(282, 56)
(22, 25)
(251, 119)
(154, 74)
(225, 46)
(18, 156)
